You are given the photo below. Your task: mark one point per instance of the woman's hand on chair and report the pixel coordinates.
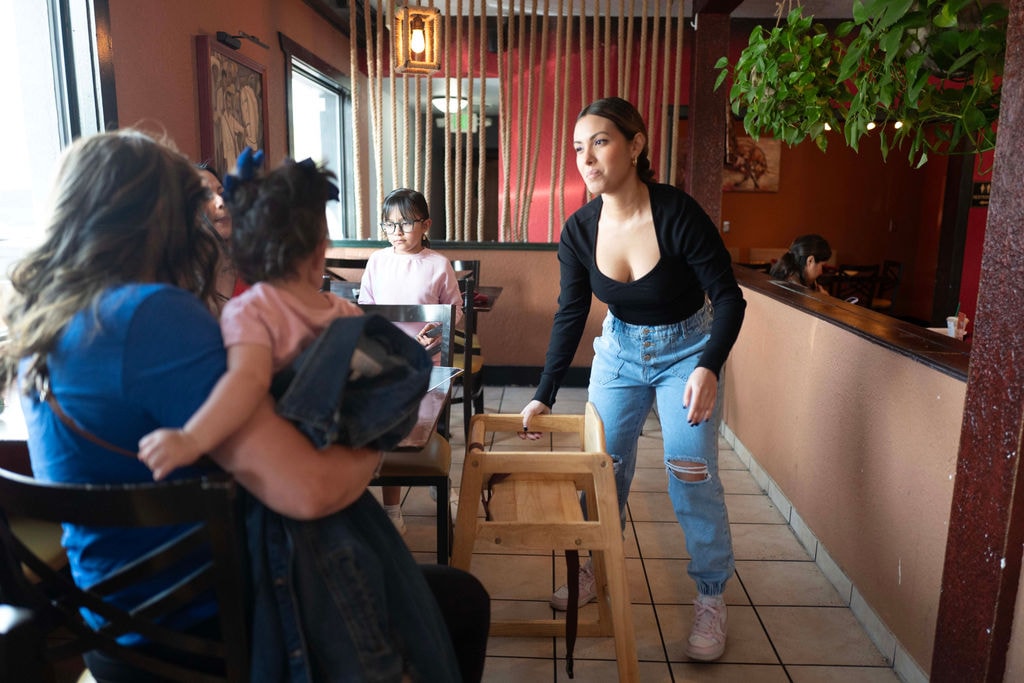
(532, 408)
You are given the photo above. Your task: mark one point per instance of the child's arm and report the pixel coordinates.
(229, 405)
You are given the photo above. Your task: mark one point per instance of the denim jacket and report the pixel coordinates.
(342, 599)
(359, 384)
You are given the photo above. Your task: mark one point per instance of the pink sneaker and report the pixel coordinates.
(588, 589)
(710, 623)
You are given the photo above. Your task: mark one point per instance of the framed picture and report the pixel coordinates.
(232, 103)
(751, 165)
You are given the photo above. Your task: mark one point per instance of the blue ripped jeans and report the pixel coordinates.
(633, 366)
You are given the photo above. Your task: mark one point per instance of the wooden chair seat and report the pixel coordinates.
(435, 460)
(533, 503)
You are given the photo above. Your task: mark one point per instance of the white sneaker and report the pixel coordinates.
(710, 623)
(395, 513)
(588, 589)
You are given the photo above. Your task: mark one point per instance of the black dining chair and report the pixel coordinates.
(888, 285)
(856, 283)
(432, 465)
(44, 603)
(469, 355)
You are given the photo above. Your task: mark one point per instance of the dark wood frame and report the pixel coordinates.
(210, 53)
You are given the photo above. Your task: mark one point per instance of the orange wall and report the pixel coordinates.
(867, 209)
(155, 59)
(863, 442)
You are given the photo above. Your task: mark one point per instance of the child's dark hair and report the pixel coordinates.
(411, 204)
(279, 219)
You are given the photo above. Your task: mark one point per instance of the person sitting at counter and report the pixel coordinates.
(803, 263)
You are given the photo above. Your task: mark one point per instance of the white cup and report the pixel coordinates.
(951, 326)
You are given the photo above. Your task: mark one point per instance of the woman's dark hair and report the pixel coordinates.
(209, 168)
(125, 208)
(412, 205)
(279, 219)
(629, 122)
(791, 265)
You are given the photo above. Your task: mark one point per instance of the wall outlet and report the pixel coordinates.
(725, 226)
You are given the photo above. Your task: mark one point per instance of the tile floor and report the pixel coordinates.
(786, 621)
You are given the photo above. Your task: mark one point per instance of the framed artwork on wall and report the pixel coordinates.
(232, 103)
(751, 165)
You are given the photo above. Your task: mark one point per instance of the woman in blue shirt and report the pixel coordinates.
(108, 315)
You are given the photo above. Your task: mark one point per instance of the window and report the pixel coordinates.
(54, 76)
(319, 127)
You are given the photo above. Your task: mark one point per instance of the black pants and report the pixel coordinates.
(464, 603)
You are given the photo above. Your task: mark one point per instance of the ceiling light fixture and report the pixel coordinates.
(417, 37)
(449, 104)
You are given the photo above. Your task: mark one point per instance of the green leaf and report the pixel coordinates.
(945, 18)
(974, 119)
(722, 63)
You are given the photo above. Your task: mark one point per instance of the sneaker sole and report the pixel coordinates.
(705, 656)
(560, 606)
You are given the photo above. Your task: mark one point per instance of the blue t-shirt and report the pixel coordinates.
(147, 358)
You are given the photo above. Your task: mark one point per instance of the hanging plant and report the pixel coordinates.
(934, 66)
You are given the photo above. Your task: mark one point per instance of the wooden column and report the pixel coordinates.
(986, 525)
(708, 116)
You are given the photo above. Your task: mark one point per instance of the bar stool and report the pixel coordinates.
(532, 500)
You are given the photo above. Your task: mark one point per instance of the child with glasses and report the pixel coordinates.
(279, 240)
(408, 272)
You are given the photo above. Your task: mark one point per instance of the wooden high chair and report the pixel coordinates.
(533, 502)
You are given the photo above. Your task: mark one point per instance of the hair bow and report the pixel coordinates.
(249, 161)
(308, 164)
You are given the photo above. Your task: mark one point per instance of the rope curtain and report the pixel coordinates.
(549, 57)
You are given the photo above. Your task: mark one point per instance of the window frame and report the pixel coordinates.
(330, 78)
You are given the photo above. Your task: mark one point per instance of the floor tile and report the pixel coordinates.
(716, 672)
(766, 542)
(841, 674)
(751, 509)
(739, 481)
(819, 635)
(787, 583)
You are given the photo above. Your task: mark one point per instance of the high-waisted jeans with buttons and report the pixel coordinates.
(633, 366)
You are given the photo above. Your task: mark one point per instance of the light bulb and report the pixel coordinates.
(828, 127)
(871, 125)
(897, 125)
(417, 41)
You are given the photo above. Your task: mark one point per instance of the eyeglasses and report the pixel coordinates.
(390, 228)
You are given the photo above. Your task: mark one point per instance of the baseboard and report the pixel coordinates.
(902, 663)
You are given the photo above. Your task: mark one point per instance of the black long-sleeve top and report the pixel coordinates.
(694, 261)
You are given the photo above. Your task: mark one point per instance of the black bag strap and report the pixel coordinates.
(572, 570)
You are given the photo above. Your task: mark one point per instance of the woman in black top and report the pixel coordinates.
(653, 255)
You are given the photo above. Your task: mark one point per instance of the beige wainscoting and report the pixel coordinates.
(863, 441)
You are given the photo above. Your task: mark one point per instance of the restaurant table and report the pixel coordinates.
(432, 406)
(492, 294)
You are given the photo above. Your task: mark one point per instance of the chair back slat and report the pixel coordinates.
(207, 508)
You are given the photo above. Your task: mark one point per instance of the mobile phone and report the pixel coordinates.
(434, 331)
